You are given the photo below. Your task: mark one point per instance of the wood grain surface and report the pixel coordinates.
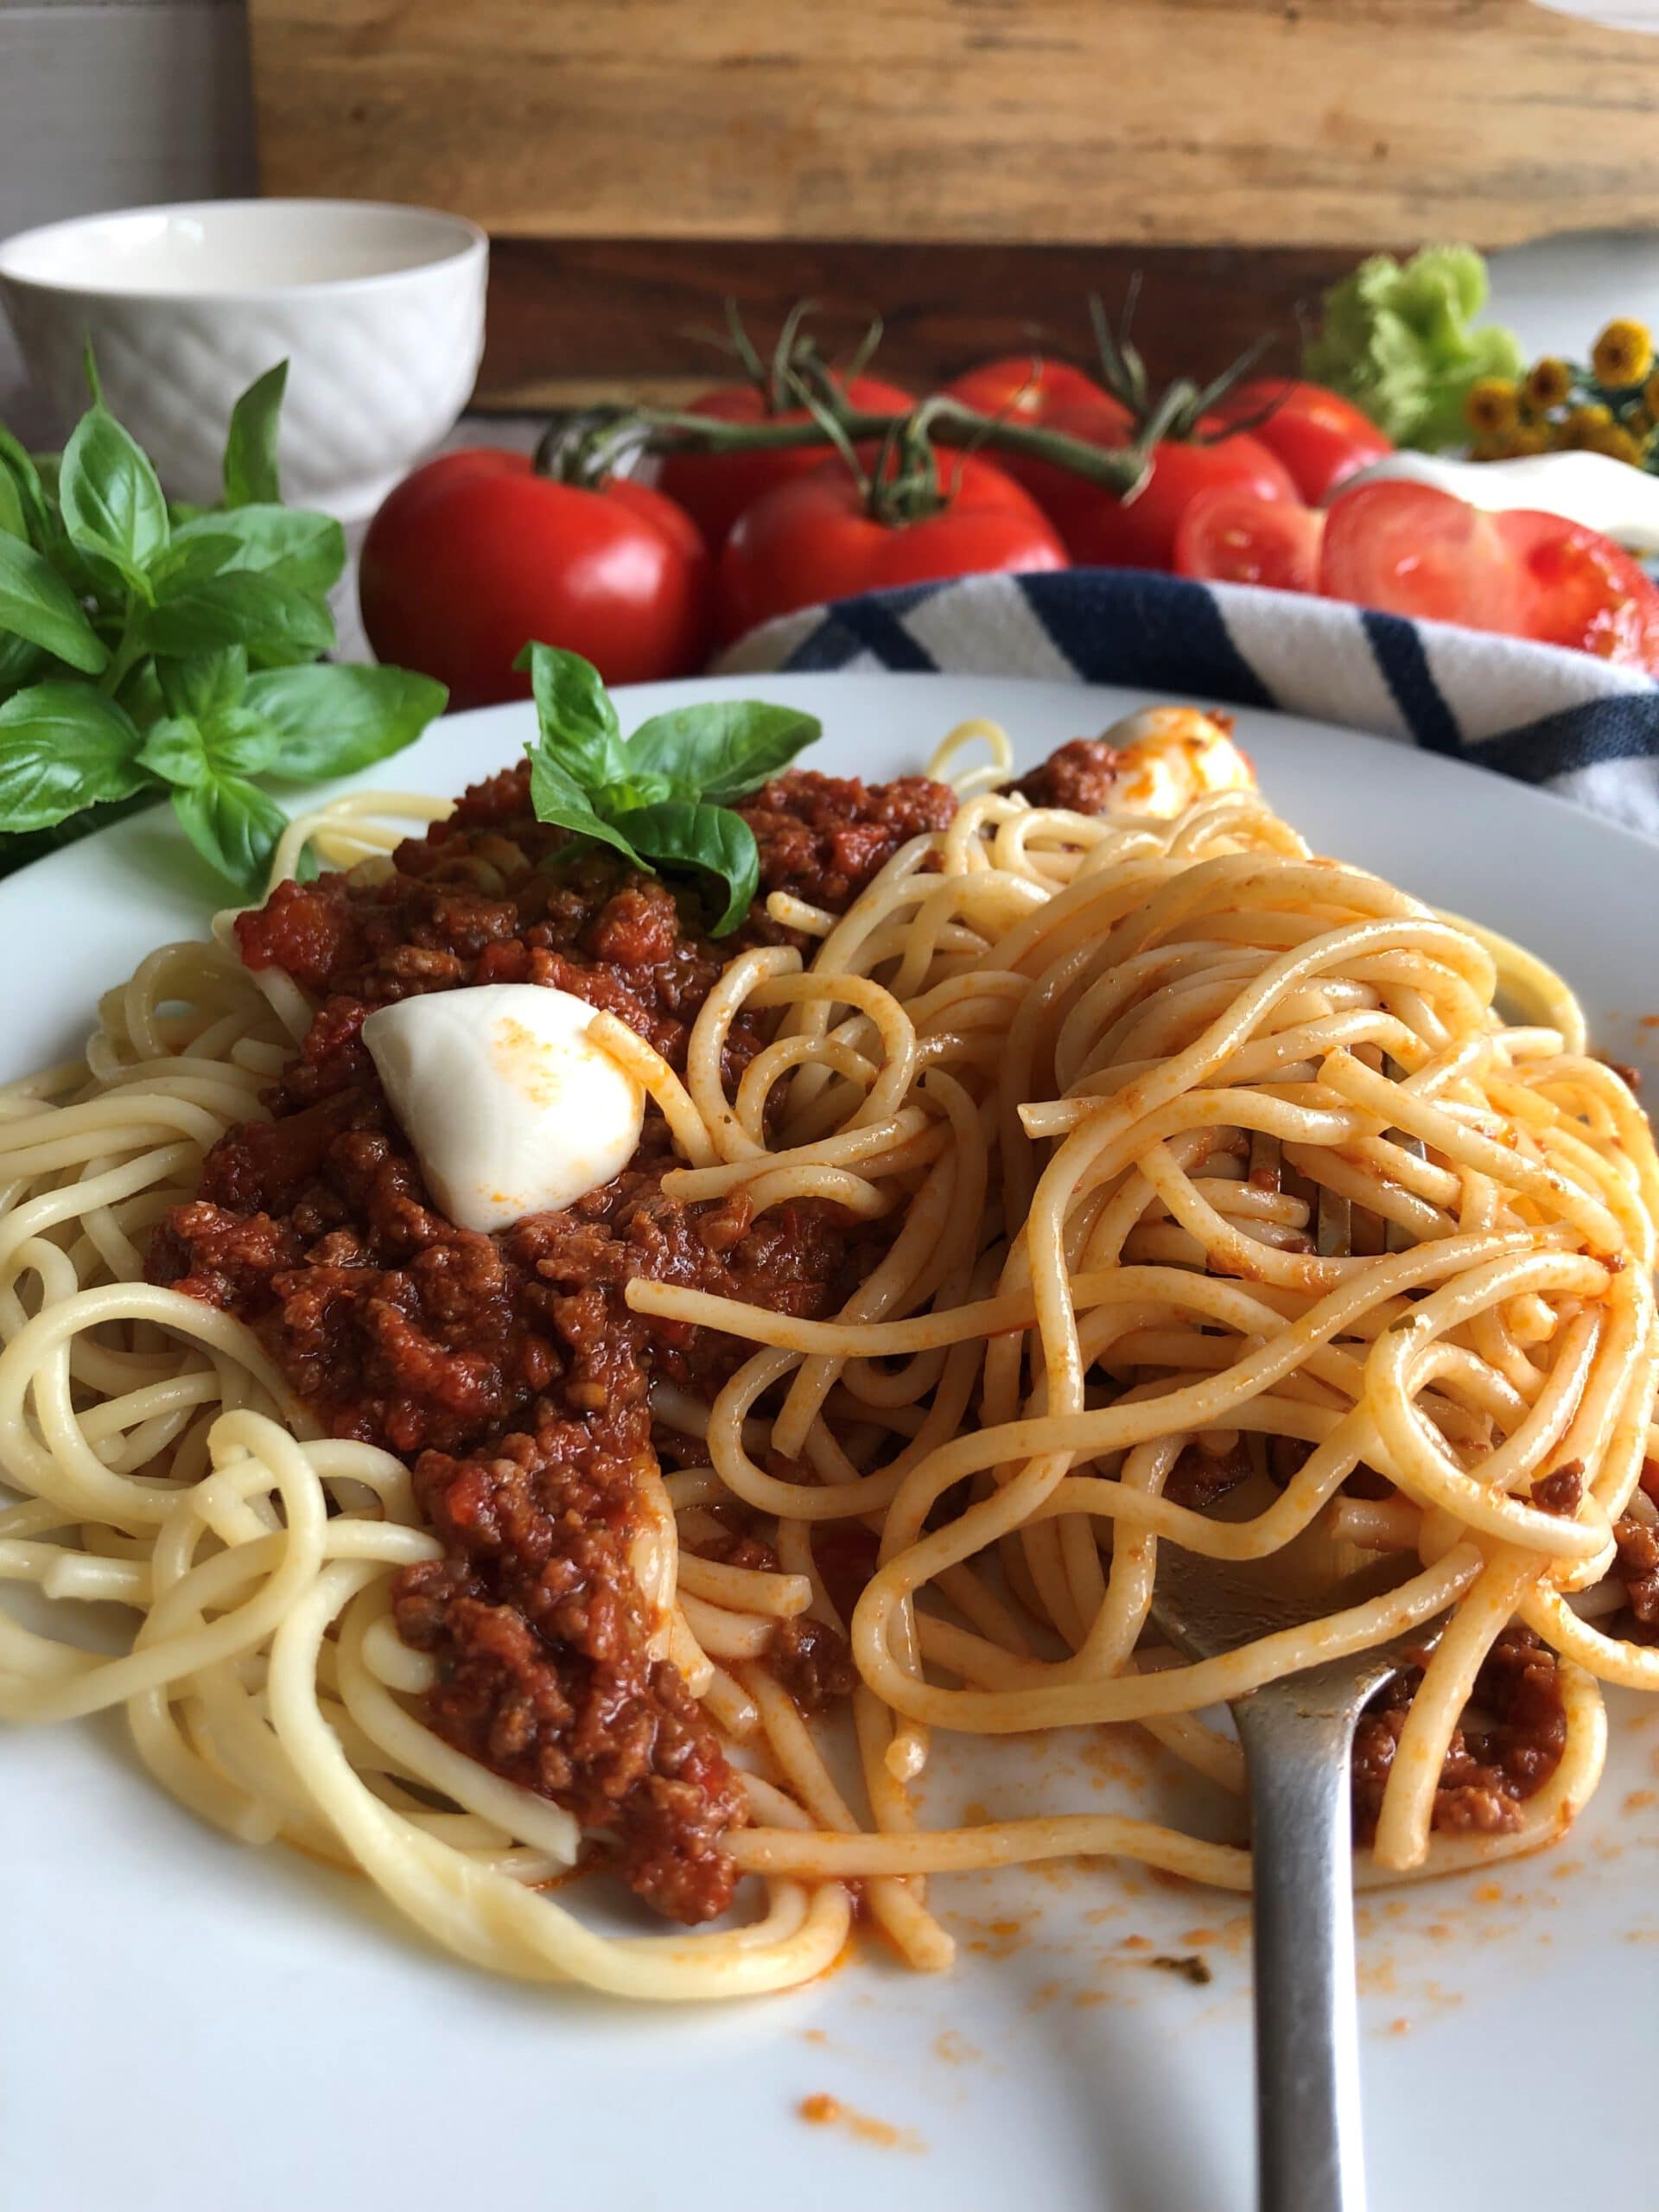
(1279, 122)
(573, 322)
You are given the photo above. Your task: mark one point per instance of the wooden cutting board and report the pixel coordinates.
(660, 130)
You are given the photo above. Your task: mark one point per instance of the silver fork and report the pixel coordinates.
(1298, 1737)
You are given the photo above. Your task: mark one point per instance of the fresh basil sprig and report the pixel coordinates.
(149, 648)
(661, 798)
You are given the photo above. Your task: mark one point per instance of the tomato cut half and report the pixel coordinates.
(1582, 591)
(1412, 550)
(1230, 536)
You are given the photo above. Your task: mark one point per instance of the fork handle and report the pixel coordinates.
(1308, 2146)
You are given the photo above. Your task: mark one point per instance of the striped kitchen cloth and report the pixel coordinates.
(1565, 720)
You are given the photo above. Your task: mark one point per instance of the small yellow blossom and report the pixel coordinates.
(1548, 384)
(1492, 406)
(1638, 421)
(1650, 395)
(1583, 425)
(1623, 354)
(1617, 443)
(1530, 438)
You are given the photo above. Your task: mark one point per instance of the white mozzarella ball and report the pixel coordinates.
(511, 1107)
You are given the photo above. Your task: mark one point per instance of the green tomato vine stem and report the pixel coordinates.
(583, 450)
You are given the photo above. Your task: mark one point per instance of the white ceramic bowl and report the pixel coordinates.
(378, 309)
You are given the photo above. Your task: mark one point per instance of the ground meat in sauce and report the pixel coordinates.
(1638, 1567)
(1080, 775)
(1508, 1745)
(507, 1369)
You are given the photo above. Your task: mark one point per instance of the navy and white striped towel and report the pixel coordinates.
(1581, 728)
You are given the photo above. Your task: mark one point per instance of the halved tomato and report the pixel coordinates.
(1412, 550)
(1581, 590)
(1229, 536)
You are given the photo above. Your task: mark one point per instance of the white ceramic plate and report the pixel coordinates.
(188, 2024)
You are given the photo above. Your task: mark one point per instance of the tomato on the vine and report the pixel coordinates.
(1229, 536)
(1321, 438)
(475, 553)
(818, 539)
(1025, 388)
(715, 488)
(1039, 394)
(1102, 531)
(1412, 550)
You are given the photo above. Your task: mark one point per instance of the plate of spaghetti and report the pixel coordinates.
(584, 1461)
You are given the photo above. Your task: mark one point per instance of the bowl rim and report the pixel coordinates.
(469, 242)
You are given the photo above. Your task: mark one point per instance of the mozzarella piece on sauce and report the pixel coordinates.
(1171, 757)
(511, 1107)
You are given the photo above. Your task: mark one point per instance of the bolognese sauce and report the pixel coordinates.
(508, 1370)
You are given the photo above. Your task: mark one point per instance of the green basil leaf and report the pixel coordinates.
(190, 748)
(112, 502)
(63, 746)
(679, 833)
(251, 477)
(578, 723)
(559, 799)
(333, 721)
(240, 741)
(174, 750)
(36, 603)
(13, 523)
(206, 682)
(722, 749)
(633, 792)
(20, 664)
(205, 600)
(305, 550)
(234, 826)
(141, 694)
(15, 461)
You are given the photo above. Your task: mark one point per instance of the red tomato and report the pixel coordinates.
(715, 488)
(1321, 439)
(1583, 591)
(1412, 550)
(474, 555)
(814, 540)
(1026, 388)
(1104, 531)
(1039, 394)
(1236, 537)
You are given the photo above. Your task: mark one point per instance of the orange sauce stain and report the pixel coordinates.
(822, 2111)
(1196, 1938)
(1649, 1021)
(817, 2036)
(955, 2048)
(1639, 1800)
(1376, 1977)
(1399, 2027)
(1488, 1893)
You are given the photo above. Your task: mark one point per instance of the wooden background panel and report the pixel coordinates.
(585, 320)
(1272, 122)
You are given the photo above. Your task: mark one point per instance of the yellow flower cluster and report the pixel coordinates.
(1611, 407)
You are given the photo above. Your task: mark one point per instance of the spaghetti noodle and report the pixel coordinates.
(1029, 1057)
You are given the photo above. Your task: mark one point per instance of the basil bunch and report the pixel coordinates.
(145, 647)
(659, 798)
